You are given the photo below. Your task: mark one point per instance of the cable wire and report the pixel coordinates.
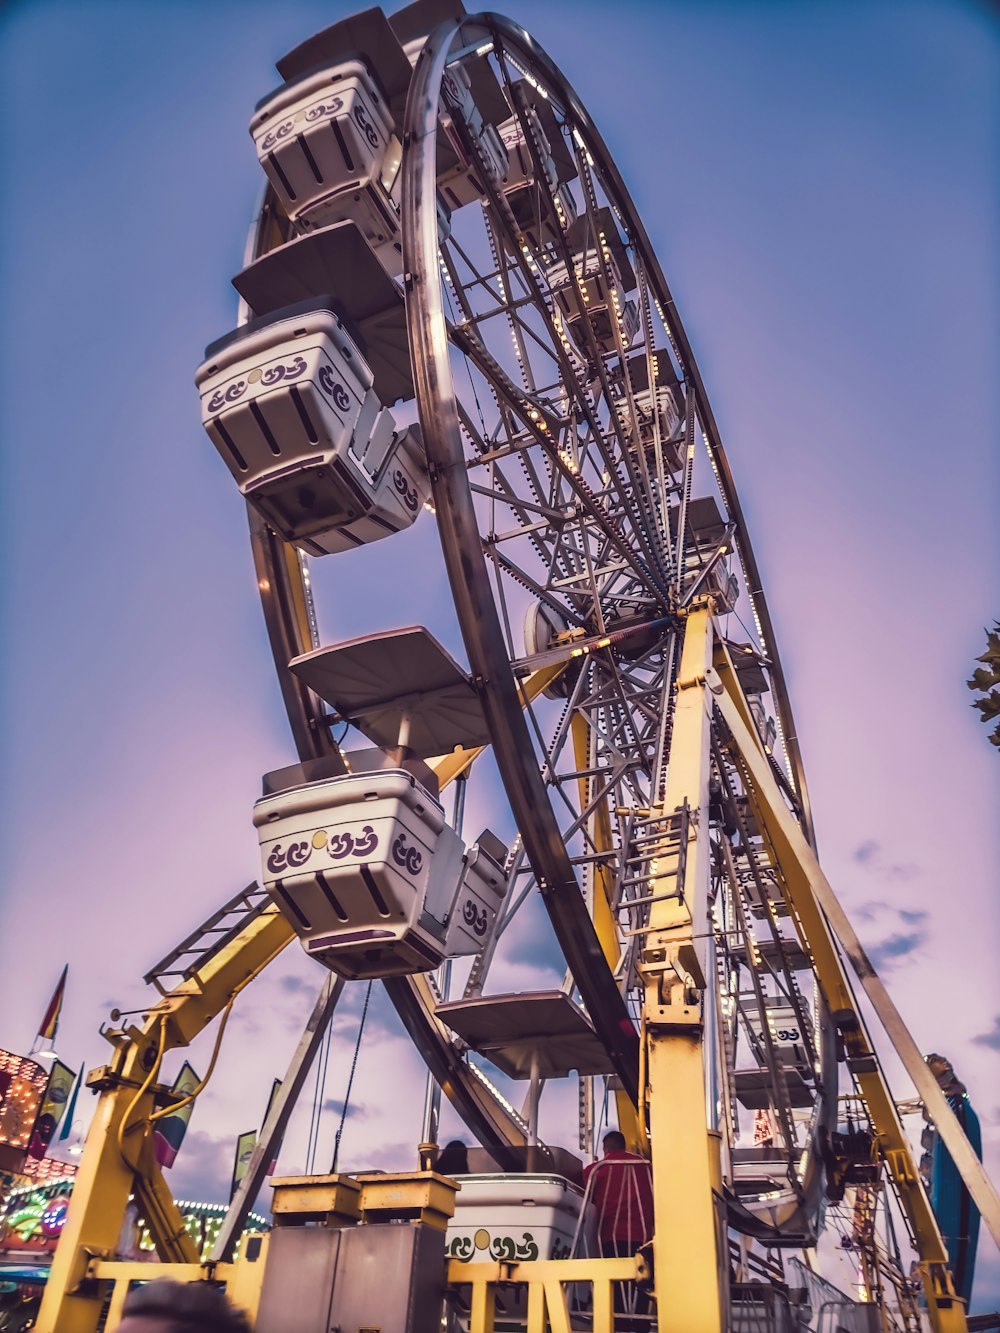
(350, 1081)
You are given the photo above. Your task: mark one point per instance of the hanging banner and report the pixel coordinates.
(71, 1109)
(275, 1089)
(245, 1145)
(57, 1096)
(169, 1133)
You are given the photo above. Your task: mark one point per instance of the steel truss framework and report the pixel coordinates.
(664, 839)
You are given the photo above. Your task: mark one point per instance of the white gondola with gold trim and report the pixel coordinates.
(327, 145)
(371, 877)
(290, 404)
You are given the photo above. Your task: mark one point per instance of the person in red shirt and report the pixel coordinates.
(621, 1190)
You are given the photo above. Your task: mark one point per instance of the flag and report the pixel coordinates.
(71, 1109)
(169, 1133)
(47, 1031)
(245, 1145)
(275, 1089)
(57, 1094)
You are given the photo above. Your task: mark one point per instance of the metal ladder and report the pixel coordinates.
(222, 926)
(656, 839)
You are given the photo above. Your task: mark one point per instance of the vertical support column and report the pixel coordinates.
(820, 915)
(108, 1174)
(676, 974)
(534, 1093)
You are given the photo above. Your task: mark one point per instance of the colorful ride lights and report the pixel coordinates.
(370, 876)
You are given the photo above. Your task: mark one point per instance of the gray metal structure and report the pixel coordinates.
(564, 486)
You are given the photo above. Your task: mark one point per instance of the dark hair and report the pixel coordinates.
(191, 1307)
(453, 1159)
(614, 1140)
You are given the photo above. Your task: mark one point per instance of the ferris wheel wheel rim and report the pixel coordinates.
(436, 396)
(310, 719)
(481, 631)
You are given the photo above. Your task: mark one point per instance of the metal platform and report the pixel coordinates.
(749, 667)
(380, 681)
(704, 521)
(776, 953)
(512, 1030)
(370, 32)
(756, 1091)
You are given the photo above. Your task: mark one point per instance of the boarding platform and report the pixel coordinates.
(533, 1035)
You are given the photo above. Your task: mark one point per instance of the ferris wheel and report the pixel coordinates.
(584, 504)
(452, 314)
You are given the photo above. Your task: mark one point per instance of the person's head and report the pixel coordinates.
(613, 1141)
(453, 1159)
(166, 1306)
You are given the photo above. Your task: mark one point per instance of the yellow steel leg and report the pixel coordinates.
(100, 1196)
(603, 1306)
(675, 973)
(555, 1300)
(536, 1308)
(815, 905)
(482, 1316)
(116, 1305)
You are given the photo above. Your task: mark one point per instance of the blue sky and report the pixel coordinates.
(820, 183)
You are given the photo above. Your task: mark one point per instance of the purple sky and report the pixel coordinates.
(820, 182)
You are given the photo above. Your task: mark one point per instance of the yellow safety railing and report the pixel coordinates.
(547, 1284)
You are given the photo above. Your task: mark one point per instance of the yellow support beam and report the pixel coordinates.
(675, 970)
(816, 907)
(110, 1172)
(448, 767)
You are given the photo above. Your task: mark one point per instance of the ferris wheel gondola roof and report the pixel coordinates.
(380, 679)
(338, 259)
(511, 1029)
(371, 36)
